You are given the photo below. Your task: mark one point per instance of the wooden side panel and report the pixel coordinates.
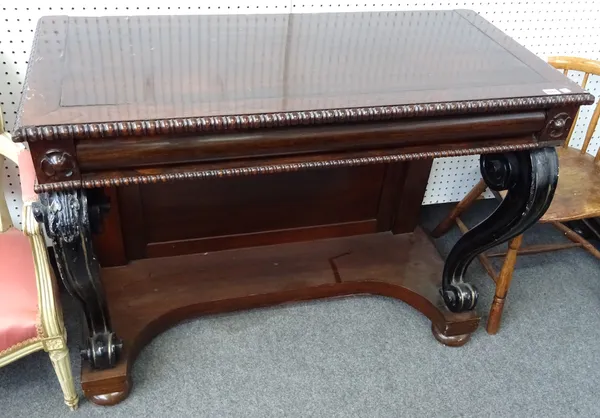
(259, 239)
(211, 208)
(132, 215)
(390, 194)
(168, 219)
(185, 217)
(109, 244)
(412, 190)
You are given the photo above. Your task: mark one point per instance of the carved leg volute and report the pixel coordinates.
(530, 177)
(67, 221)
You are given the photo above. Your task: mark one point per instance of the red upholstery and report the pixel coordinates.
(18, 289)
(27, 174)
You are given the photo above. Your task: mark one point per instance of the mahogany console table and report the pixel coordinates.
(197, 164)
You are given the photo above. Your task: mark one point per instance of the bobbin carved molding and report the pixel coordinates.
(284, 119)
(273, 169)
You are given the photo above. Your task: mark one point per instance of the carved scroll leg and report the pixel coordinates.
(66, 217)
(530, 178)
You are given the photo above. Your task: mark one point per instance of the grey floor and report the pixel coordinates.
(362, 356)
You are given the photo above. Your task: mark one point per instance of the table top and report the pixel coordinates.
(185, 73)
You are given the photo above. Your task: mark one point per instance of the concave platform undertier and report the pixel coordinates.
(148, 296)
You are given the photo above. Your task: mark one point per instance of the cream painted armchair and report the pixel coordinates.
(30, 314)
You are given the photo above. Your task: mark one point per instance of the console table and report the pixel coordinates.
(188, 165)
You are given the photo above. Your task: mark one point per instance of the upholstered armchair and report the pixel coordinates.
(30, 314)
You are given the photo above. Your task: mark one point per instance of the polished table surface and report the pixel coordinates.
(101, 69)
(305, 142)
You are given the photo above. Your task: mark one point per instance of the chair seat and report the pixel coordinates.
(18, 290)
(578, 193)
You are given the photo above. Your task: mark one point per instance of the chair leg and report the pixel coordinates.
(464, 204)
(575, 237)
(62, 366)
(502, 285)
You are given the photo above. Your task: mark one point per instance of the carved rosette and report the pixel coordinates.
(57, 164)
(558, 126)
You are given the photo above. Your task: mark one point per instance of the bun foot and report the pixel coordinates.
(108, 399)
(450, 340)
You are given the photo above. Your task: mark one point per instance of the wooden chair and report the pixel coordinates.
(30, 315)
(577, 197)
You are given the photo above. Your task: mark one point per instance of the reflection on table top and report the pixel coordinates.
(101, 69)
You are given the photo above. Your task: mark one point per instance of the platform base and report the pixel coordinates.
(148, 296)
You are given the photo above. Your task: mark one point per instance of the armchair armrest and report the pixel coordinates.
(18, 154)
(31, 227)
(50, 313)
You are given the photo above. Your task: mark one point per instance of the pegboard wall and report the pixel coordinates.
(546, 27)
